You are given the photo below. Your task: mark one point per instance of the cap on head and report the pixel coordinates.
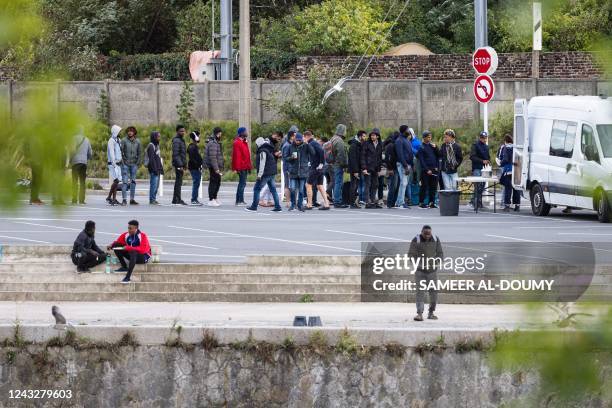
(483, 134)
(376, 131)
(426, 133)
(293, 129)
(299, 137)
(403, 128)
(242, 131)
(341, 130)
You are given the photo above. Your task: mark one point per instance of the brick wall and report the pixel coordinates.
(557, 65)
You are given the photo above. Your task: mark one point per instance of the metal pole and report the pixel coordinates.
(227, 72)
(244, 109)
(480, 23)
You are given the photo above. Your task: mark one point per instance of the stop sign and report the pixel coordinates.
(484, 60)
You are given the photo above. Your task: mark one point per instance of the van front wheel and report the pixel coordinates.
(538, 204)
(604, 214)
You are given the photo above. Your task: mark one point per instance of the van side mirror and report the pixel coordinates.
(590, 152)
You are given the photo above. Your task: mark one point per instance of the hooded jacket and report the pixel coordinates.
(113, 150)
(428, 157)
(214, 154)
(354, 155)
(82, 153)
(179, 152)
(479, 153)
(300, 167)
(318, 156)
(505, 157)
(371, 156)
(139, 242)
(132, 151)
(431, 248)
(339, 152)
(404, 152)
(265, 161)
(241, 155)
(195, 158)
(390, 153)
(154, 156)
(85, 243)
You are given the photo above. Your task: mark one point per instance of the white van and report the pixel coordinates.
(563, 153)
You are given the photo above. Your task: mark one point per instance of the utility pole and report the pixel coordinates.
(480, 24)
(244, 108)
(226, 36)
(537, 40)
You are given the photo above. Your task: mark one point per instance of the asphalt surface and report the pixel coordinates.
(229, 233)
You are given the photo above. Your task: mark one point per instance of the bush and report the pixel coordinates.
(168, 66)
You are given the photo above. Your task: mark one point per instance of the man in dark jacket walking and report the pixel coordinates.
(85, 252)
(428, 158)
(405, 166)
(214, 162)
(195, 166)
(354, 165)
(452, 157)
(371, 162)
(265, 164)
(480, 157)
(299, 160)
(179, 162)
(153, 163)
(427, 250)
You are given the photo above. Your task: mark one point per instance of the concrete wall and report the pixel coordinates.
(379, 102)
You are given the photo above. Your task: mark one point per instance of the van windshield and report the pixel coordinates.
(605, 138)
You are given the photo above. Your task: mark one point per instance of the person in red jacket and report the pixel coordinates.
(132, 246)
(241, 163)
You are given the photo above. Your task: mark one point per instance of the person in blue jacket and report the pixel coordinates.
(428, 158)
(505, 157)
(405, 163)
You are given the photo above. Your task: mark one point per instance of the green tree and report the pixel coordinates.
(273, 50)
(184, 109)
(194, 27)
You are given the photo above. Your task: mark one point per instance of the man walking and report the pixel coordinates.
(153, 163)
(299, 160)
(354, 166)
(428, 158)
(265, 163)
(339, 162)
(214, 162)
(85, 252)
(285, 153)
(371, 162)
(241, 162)
(132, 152)
(113, 155)
(425, 248)
(195, 166)
(452, 157)
(131, 248)
(79, 160)
(479, 155)
(405, 163)
(315, 177)
(179, 162)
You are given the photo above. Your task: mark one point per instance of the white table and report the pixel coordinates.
(490, 184)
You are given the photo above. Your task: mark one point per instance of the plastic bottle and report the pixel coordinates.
(108, 263)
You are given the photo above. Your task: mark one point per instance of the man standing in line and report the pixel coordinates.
(241, 162)
(85, 252)
(79, 160)
(179, 162)
(153, 163)
(214, 162)
(315, 177)
(299, 159)
(132, 246)
(391, 163)
(371, 162)
(286, 144)
(479, 154)
(113, 155)
(339, 162)
(195, 166)
(428, 157)
(452, 156)
(506, 163)
(425, 246)
(405, 163)
(354, 166)
(132, 157)
(415, 175)
(265, 163)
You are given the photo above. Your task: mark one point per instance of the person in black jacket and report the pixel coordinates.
(195, 166)
(354, 165)
(428, 158)
(179, 162)
(315, 178)
(480, 157)
(265, 164)
(371, 162)
(451, 157)
(154, 165)
(85, 252)
(390, 160)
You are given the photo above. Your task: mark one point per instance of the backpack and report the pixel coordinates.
(328, 152)
(146, 156)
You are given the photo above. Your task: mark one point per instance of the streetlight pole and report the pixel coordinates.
(244, 108)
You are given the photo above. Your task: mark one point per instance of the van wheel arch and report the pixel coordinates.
(539, 206)
(601, 204)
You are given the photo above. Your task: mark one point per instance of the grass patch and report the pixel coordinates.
(467, 345)
(288, 344)
(428, 347)
(317, 343)
(395, 350)
(306, 298)
(347, 344)
(17, 341)
(209, 340)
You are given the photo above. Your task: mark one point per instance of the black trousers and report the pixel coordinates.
(35, 183)
(87, 260)
(354, 189)
(429, 183)
(510, 192)
(214, 184)
(132, 257)
(178, 183)
(371, 188)
(79, 174)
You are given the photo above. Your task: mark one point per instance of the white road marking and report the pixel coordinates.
(580, 233)
(183, 244)
(505, 237)
(368, 235)
(205, 256)
(24, 239)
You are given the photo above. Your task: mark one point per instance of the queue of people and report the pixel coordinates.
(356, 172)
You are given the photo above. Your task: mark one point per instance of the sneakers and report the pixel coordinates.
(291, 208)
(432, 316)
(116, 202)
(122, 269)
(377, 205)
(123, 203)
(355, 206)
(240, 203)
(213, 203)
(250, 209)
(433, 205)
(340, 206)
(36, 202)
(506, 208)
(405, 206)
(154, 202)
(323, 208)
(109, 201)
(517, 208)
(196, 203)
(133, 202)
(83, 270)
(370, 205)
(422, 205)
(418, 317)
(301, 209)
(125, 281)
(277, 209)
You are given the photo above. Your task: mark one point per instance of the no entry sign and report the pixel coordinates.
(484, 88)
(484, 60)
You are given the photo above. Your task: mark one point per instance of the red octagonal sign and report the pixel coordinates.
(484, 60)
(484, 88)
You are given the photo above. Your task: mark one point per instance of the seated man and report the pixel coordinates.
(132, 246)
(85, 252)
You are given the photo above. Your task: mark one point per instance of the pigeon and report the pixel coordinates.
(334, 89)
(59, 317)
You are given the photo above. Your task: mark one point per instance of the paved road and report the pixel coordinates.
(229, 233)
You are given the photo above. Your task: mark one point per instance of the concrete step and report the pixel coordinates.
(246, 278)
(63, 277)
(49, 253)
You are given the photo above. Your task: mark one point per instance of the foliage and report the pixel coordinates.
(169, 66)
(184, 109)
(272, 52)
(103, 109)
(194, 27)
(340, 27)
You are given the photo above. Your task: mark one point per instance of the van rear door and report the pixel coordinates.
(520, 159)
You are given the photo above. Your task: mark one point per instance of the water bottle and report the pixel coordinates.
(108, 263)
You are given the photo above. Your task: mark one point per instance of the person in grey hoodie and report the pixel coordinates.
(81, 156)
(114, 158)
(132, 158)
(339, 163)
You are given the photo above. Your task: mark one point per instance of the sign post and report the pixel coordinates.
(484, 62)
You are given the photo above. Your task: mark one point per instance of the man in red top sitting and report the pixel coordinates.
(241, 162)
(132, 246)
